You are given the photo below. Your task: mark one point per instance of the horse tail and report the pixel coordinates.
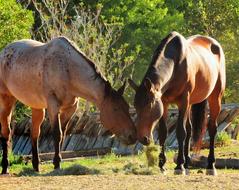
(199, 119)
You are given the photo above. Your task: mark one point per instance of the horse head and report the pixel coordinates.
(148, 103)
(114, 114)
(149, 109)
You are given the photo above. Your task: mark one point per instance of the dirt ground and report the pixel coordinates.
(120, 181)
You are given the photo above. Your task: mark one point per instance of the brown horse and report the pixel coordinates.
(186, 72)
(52, 76)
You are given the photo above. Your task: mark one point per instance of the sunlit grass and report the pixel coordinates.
(145, 163)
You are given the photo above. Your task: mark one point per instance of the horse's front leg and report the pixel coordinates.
(6, 104)
(66, 115)
(162, 135)
(54, 116)
(181, 133)
(187, 144)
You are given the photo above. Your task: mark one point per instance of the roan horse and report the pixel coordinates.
(52, 76)
(189, 73)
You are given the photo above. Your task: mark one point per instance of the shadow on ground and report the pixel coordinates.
(72, 170)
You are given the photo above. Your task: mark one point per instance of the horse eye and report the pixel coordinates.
(116, 109)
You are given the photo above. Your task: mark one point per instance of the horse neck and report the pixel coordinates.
(87, 81)
(95, 93)
(161, 74)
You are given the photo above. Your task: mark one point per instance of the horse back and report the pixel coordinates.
(210, 44)
(207, 57)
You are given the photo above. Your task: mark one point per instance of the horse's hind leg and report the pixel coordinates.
(37, 119)
(214, 101)
(53, 109)
(6, 104)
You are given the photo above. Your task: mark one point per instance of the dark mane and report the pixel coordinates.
(159, 49)
(91, 63)
(152, 72)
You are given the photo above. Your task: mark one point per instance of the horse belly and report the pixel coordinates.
(27, 87)
(204, 85)
(30, 97)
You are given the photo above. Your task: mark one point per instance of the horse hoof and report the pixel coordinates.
(187, 171)
(5, 175)
(179, 172)
(57, 167)
(36, 170)
(5, 172)
(163, 171)
(212, 172)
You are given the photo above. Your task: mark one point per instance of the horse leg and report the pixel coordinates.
(66, 115)
(6, 104)
(37, 119)
(215, 107)
(54, 116)
(181, 134)
(162, 135)
(187, 144)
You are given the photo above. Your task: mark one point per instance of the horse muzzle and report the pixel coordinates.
(145, 140)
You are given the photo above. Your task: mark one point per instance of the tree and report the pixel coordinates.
(15, 22)
(93, 35)
(218, 19)
(144, 24)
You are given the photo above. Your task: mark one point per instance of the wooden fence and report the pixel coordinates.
(87, 133)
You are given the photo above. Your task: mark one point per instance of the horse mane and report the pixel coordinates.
(91, 63)
(152, 69)
(161, 46)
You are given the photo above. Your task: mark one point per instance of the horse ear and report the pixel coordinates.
(108, 88)
(175, 49)
(133, 84)
(148, 84)
(121, 89)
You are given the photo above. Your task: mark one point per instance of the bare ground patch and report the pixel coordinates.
(225, 180)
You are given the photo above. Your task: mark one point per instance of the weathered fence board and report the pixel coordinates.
(86, 133)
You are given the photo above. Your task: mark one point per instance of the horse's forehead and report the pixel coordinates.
(141, 98)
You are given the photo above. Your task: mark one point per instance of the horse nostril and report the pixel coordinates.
(146, 140)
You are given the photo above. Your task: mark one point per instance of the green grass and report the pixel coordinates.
(142, 164)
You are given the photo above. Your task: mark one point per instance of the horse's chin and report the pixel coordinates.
(127, 141)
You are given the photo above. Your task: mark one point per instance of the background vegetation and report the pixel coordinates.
(120, 36)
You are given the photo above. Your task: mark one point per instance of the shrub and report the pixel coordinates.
(15, 22)
(223, 139)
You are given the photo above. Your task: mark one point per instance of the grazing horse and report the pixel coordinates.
(189, 73)
(51, 76)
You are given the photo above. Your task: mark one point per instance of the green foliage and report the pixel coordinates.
(152, 153)
(223, 139)
(120, 36)
(21, 112)
(15, 22)
(14, 159)
(217, 18)
(145, 24)
(94, 36)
